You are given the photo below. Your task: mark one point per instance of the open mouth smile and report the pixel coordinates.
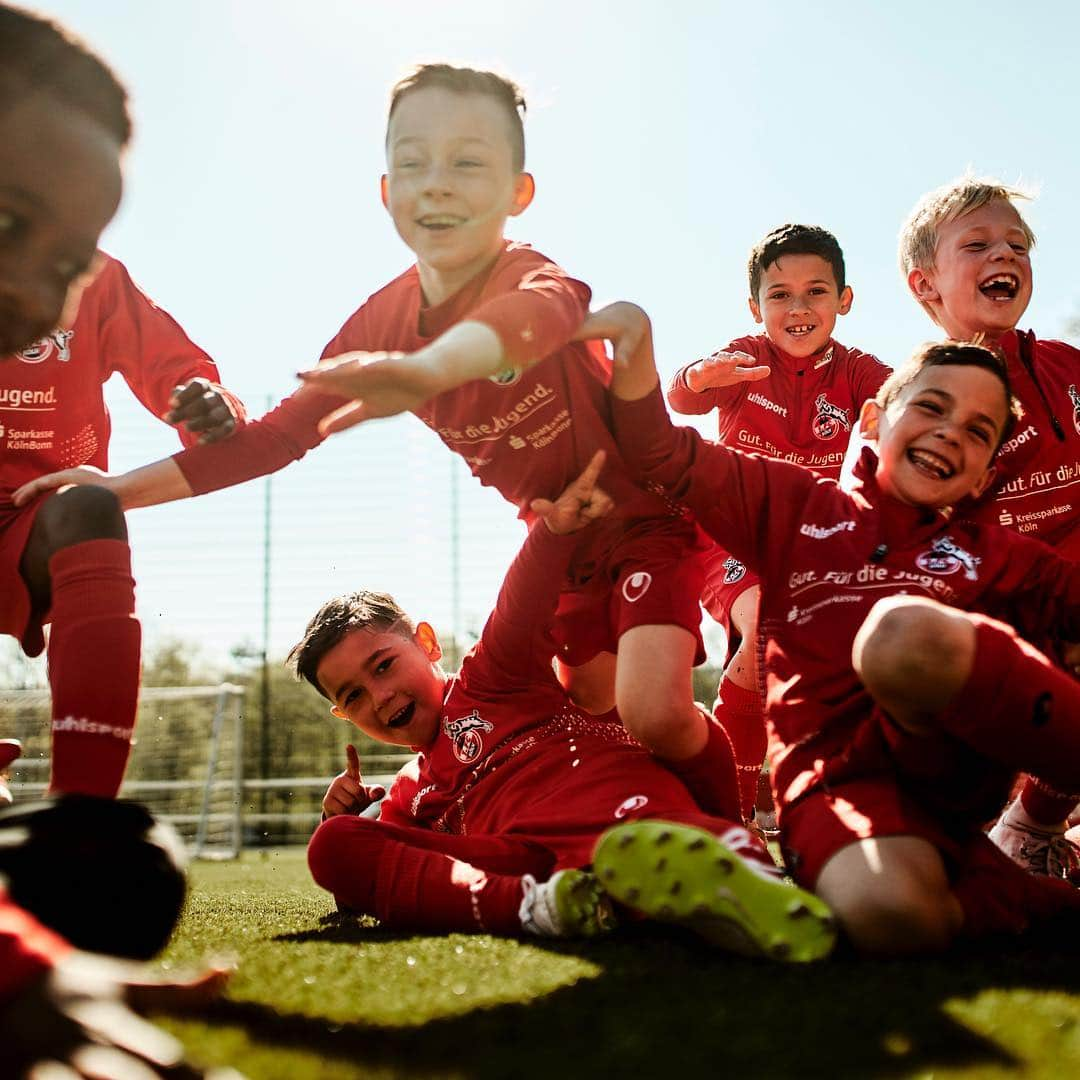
(440, 222)
(1000, 287)
(403, 717)
(801, 330)
(931, 464)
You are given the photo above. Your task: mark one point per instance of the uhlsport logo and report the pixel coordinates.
(636, 586)
(467, 735)
(628, 806)
(733, 570)
(830, 419)
(946, 556)
(1074, 397)
(57, 342)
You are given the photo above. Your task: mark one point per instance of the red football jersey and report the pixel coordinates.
(804, 412)
(52, 406)
(525, 433)
(825, 556)
(1037, 489)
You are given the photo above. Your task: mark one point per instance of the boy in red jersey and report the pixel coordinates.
(63, 124)
(488, 828)
(793, 393)
(883, 764)
(965, 254)
(477, 340)
(64, 559)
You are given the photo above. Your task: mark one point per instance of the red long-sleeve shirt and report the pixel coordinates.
(1037, 487)
(825, 555)
(52, 405)
(525, 433)
(804, 412)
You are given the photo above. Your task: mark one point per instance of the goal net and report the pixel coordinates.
(186, 763)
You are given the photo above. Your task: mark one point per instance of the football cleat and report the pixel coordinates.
(688, 877)
(569, 904)
(1048, 852)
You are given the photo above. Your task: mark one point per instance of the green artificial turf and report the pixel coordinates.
(319, 996)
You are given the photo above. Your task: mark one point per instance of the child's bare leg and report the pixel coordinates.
(591, 685)
(932, 667)
(654, 696)
(891, 895)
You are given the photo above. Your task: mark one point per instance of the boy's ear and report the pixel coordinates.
(428, 641)
(755, 310)
(335, 711)
(984, 481)
(384, 191)
(922, 287)
(524, 190)
(869, 419)
(846, 297)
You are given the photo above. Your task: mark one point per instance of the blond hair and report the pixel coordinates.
(919, 233)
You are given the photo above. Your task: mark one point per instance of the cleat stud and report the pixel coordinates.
(676, 888)
(696, 845)
(661, 865)
(626, 840)
(609, 874)
(662, 837)
(799, 911)
(725, 865)
(632, 893)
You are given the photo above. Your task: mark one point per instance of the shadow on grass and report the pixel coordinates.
(664, 1006)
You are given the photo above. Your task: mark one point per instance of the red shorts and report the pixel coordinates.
(820, 824)
(726, 579)
(564, 801)
(652, 578)
(16, 609)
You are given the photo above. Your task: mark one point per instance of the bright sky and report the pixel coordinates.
(665, 138)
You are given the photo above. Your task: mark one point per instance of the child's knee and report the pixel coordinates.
(908, 642)
(80, 514)
(338, 843)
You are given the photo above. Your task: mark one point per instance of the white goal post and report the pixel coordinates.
(186, 762)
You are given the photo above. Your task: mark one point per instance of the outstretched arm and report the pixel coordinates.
(385, 384)
(146, 486)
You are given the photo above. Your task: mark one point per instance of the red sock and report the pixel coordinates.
(94, 651)
(739, 712)
(367, 869)
(1045, 805)
(998, 896)
(1018, 709)
(710, 775)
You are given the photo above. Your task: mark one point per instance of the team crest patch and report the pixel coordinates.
(628, 806)
(830, 419)
(636, 586)
(40, 350)
(1074, 397)
(466, 734)
(506, 377)
(733, 570)
(946, 557)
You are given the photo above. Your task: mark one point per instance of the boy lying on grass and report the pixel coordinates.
(494, 825)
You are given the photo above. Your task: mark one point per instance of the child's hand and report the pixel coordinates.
(725, 369)
(347, 793)
(625, 325)
(83, 474)
(201, 407)
(580, 504)
(383, 384)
